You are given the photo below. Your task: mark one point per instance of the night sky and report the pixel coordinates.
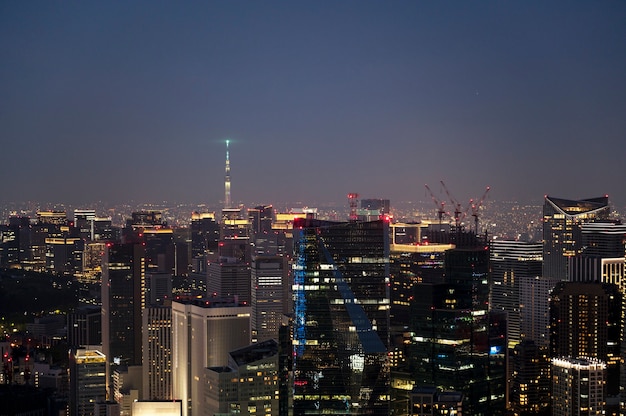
(119, 101)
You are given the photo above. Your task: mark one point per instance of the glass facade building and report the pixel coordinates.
(341, 320)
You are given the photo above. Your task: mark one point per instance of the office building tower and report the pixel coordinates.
(123, 298)
(535, 309)
(248, 385)
(456, 342)
(562, 236)
(411, 263)
(586, 321)
(52, 217)
(229, 277)
(127, 387)
(158, 287)
(602, 257)
(269, 295)
(87, 370)
(150, 219)
(529, 392)
(160, 249)
(84, 223)
(205, 235)
(157, 352)
(341, 319)
(64, 255)
(204, 331)
(84, 326)
(265, 240)
(511, 261)
(578, 386)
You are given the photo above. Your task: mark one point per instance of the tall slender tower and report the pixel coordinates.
(227, 179)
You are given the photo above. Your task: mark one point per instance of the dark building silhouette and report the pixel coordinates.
(123, 298)
(457, 343)
(84, 326)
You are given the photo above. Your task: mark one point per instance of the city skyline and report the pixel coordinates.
(117, 102)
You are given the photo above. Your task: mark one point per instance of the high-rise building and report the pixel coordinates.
(602, 257)
(535, 309)
(204, 332)
(341, 320)
(529, 392)
(248, 385)
(123, 298)
(562, 235)
(127, 381)
(84, 223)
(87, 381)
(578, 386)
(269, 295)
(205, 234)
(227, 276)
(586, 321)
(158, 287)
(456, 342)
(157, 352)
(511, 261)
(84, 326)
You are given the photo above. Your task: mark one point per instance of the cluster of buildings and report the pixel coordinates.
(286, 313)
(257, 312)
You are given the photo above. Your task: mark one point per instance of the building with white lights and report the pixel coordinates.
(204, 332)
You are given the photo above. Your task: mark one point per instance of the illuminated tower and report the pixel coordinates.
(227, 179)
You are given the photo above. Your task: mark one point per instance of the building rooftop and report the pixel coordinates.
(255, 352)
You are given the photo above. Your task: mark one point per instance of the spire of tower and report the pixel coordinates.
(227, 179)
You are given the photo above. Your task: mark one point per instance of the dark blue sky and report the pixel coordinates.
(132, 100)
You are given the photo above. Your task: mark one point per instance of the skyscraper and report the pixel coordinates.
(157, 352)
(87, 381)
(84, 326)
(248, 385)
(123, 298)
(456, 342)
(269, 290)
(530, 381)
(512, 261)
(586, 321)
(204, 331)
(562, 236)
(578, 386)
(341, 324)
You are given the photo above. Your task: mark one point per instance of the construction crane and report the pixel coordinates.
(459, 213)
(439, 204)
(476, 209)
